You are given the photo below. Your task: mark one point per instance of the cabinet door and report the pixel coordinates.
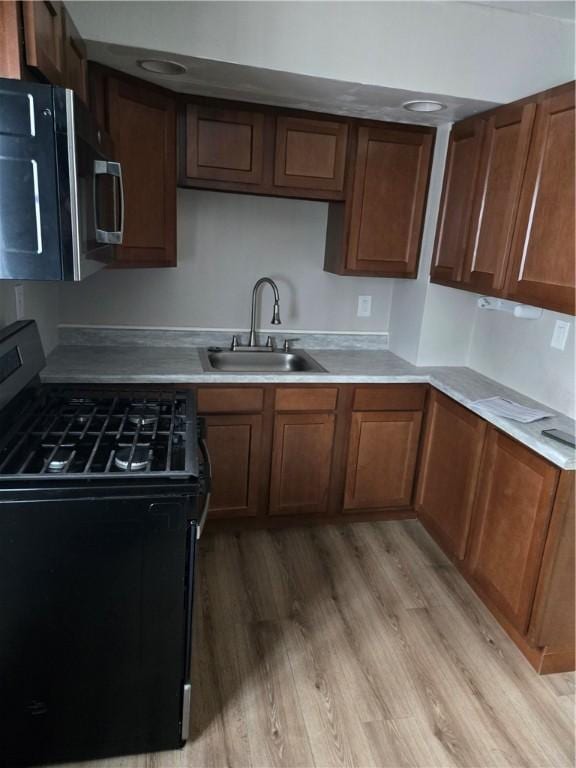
(74, 59)
(10, 64)
(224, 144)
(449, 467)
(462, 163)
(542, 265)
(44, 38)
(235, 446)
(381, 459)
(389, 197)
(142, 124)
(495, 206)
(310, 154)
(301, 463)
(512, 511)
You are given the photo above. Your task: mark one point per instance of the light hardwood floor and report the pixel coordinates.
(357, 645)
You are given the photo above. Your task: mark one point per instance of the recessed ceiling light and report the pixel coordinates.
(162, 66)
(423, 106)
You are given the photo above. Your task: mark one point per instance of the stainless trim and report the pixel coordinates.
(206, 507)
(186, 698)
(109, 168)
(73, 181)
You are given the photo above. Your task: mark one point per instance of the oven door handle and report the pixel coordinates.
(109, 168)
(205, 508)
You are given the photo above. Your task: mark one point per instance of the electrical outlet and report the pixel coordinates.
(560, 335)
(364, 306)
(19, 301)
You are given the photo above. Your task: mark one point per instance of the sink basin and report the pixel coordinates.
(228, 361)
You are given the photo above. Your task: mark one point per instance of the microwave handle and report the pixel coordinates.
(108, 168)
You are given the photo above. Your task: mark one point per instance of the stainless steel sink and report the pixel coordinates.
(228, 361)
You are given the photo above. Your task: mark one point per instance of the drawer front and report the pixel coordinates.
(391, 397)
(306, 399)
(230, 399)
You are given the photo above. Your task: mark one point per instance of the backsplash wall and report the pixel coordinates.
(40, 304)
(225, 243)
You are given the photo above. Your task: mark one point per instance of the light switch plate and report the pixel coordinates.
(364, 306)
(560, 335)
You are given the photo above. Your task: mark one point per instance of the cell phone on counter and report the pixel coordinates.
(560, 436)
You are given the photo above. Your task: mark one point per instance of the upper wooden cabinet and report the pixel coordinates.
(261, 150)
(310, 154)
(44, 38)
(511, 517)
(51, 49)
(506, 225)
(542, 267)
(75, 62)
(141, 120)
(451, 453)
(462, 163)
(224, 144)
(379, 231)
(504, 154)
(10, 49)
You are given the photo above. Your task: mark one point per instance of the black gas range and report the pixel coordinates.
(103, 495)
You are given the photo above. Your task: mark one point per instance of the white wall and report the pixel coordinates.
(517, 353)
(40, 304)
(453, 48)
(225, 243)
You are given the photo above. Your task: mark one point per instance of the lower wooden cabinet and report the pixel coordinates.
(451, 453)
(501, 512)
(235, 446)
(516, 490)
(381, 459)
(301, 463)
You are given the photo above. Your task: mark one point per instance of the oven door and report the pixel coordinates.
(92, 192)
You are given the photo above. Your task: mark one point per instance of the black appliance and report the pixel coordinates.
(61, 198)
(103, 495)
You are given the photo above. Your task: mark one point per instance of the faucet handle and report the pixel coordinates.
(287, 343)
(270, 342)
(234, 344)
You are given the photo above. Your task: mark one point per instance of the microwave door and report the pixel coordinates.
(30, 236)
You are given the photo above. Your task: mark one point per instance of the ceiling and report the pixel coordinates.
(564, 10)
(206, 77)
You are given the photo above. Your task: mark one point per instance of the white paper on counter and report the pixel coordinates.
(499, 406)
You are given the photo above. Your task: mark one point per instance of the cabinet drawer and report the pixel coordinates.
(306, 399)
(230, 399)
(391, 397)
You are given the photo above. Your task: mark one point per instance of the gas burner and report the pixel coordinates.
(60, 460)
(140, 458)
(144, 416)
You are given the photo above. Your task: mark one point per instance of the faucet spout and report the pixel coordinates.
(276, 312)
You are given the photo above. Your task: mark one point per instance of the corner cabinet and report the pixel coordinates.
(511, 519)
(449, 467)
(378, 231)
(141, 120)
(542, 264)
(506, 224)
(460, 174)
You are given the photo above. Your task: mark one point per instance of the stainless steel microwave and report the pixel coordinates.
(61, 194)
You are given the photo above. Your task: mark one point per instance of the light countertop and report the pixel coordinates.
(139, 364)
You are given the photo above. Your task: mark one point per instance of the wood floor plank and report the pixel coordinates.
(356, 645)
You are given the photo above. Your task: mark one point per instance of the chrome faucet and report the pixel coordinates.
(275, 314)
